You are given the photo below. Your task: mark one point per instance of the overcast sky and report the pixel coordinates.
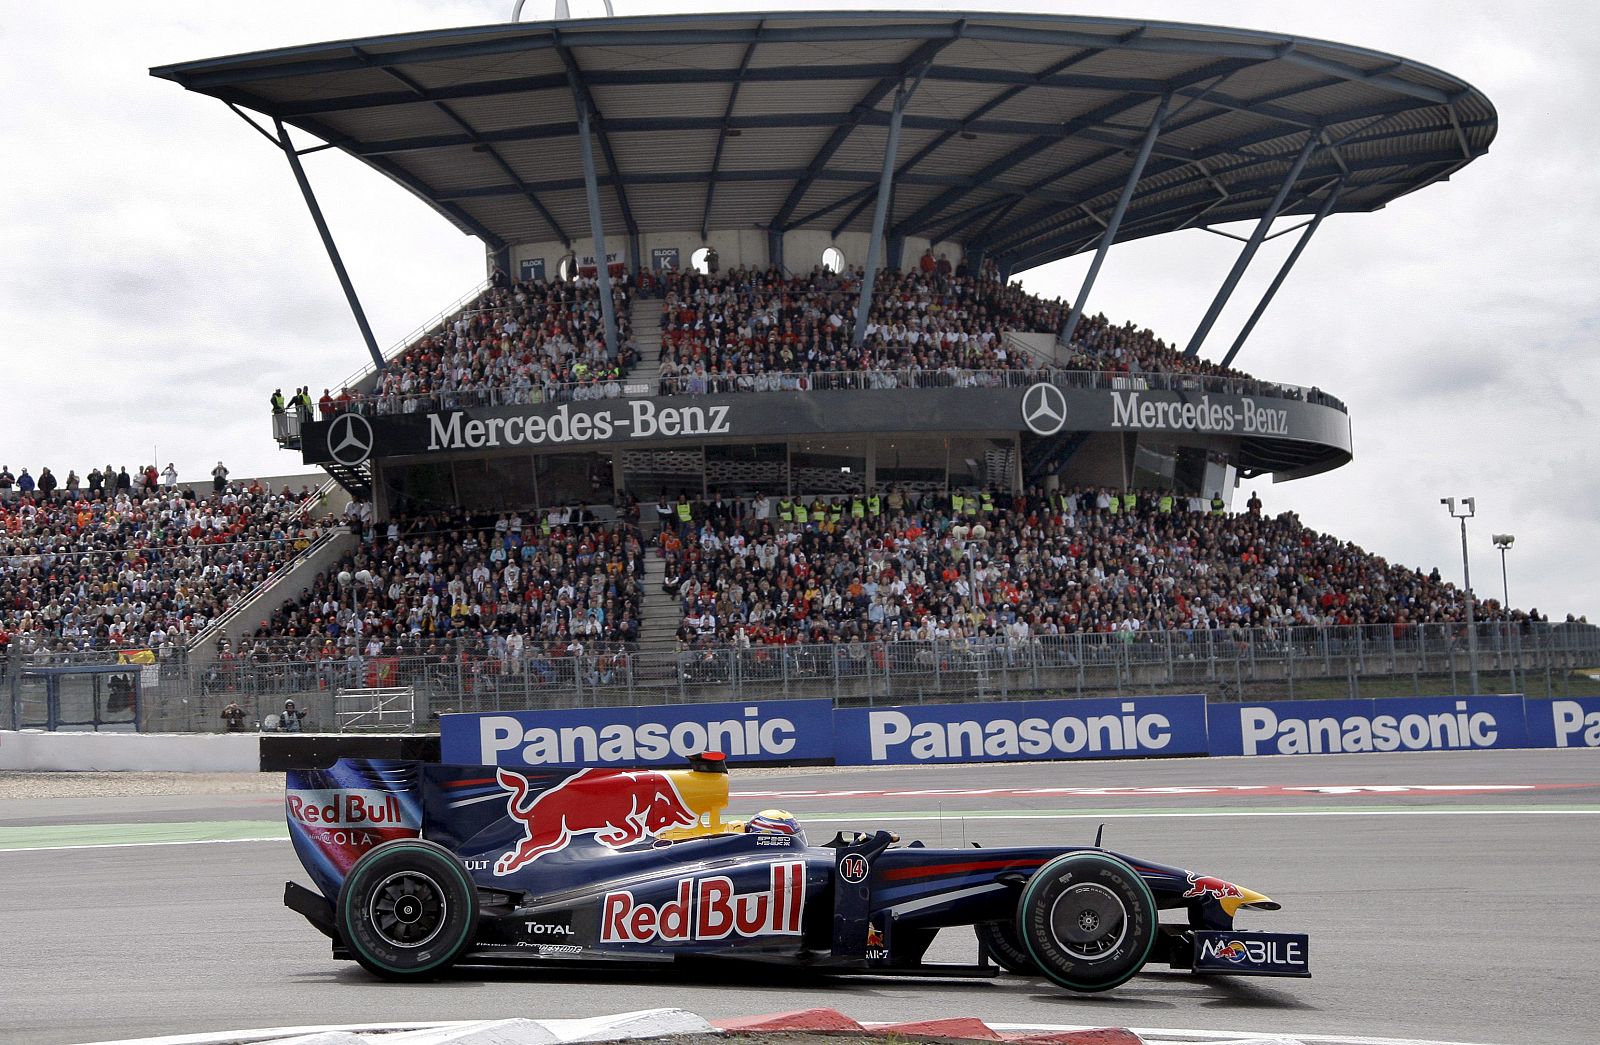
(162, 274)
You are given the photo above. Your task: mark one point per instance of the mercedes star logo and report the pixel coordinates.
(350, 439)
(1044, 408)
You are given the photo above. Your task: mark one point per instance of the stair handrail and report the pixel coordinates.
(236, 608)
(400, 347)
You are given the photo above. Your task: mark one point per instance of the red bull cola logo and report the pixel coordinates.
(616, 807)
(1203, 885)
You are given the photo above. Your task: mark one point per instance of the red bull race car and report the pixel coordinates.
(419, 867)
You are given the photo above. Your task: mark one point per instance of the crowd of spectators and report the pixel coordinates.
(989, 564)
(755, 330)
(448, 583)
(136, 562)
(746, 329)
(519, 342)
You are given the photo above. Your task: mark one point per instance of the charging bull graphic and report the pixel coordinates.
(1204, 885)
(617, 807)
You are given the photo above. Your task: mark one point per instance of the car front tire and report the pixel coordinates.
(1088, 921)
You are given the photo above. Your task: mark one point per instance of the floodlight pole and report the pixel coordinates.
(591, 189)
(1251, 246)
(1468, 510)
(1145, 149)
(1283, 273)
(880, 211)
(327, 244)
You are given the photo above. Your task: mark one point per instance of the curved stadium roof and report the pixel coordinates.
(1017, 139)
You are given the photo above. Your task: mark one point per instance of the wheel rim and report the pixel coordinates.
(407, 909)
(1088, 921)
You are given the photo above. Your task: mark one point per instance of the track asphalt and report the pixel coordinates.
(1448, 896)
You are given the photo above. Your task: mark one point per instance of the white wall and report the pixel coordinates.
(36, 751)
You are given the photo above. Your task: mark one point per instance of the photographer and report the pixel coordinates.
(290, 720)
(234, 716)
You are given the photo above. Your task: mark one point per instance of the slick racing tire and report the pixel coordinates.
(1001, 942)
(407, 910)
(1088, 920)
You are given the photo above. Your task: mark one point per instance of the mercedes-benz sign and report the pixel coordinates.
(1044, 408)
(350, 439)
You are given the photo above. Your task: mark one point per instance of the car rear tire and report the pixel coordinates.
(407, 910)
(1000, 941)
(1088, 921)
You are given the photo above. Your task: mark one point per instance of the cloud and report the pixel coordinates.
(163, 275)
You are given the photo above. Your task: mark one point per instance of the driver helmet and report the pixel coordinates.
(775, 822)
(288, 705)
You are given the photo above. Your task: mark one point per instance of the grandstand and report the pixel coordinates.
(749, 401)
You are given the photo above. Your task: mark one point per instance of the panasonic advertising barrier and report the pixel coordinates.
(1131, 727)
(1319, 727)
(1563, 721)
(778, 731)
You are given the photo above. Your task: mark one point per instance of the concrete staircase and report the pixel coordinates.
(645, 316)
(661, 613)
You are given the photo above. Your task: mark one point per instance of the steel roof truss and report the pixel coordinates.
(722, 138)
(915, 65)
(1334, 192)
(1257, 237)
(1095, 117)
(968, 124)
(488, 150)
(589, 111)
(1064, 336)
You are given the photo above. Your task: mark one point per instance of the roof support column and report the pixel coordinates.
(1288, 263)
(775, 248)
(1146, 147)
(1251, 246)
(591, 188)
(880, 211)
(329, 245)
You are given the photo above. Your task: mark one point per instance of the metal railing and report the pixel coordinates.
(831, 381)
(422, 330)
(1256, 663)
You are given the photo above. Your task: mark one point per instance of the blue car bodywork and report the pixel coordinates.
(636, 866)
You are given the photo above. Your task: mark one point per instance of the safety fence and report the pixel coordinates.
(599, 388)
(176, 692)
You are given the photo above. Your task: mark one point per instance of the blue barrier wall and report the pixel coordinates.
(1036, 729)
(1314, 727)
(801, 731)
(766, 731)
(1563, 722)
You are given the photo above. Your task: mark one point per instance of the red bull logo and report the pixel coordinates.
(1233, 951)
(709, 909)
(1202, 885)
(616, 807)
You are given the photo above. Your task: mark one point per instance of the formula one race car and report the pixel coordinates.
(422, 866)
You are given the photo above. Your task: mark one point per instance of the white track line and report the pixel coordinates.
(136, 845)
(1161, 1034)
(957, 814)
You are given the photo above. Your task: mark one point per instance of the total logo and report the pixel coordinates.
(546, 929)
(615, 807)
(709, 909)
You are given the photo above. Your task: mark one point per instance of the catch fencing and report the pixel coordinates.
(1228, 665)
